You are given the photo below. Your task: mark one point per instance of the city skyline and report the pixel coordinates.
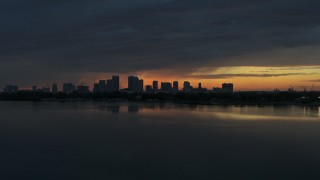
(209, 84)
(134, 84)
(159, 89)
(258, 45)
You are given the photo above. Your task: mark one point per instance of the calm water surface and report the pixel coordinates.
(115, 141)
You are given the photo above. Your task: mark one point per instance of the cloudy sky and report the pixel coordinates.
(256, 44)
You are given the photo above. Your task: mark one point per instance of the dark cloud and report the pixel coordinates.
(124, 36)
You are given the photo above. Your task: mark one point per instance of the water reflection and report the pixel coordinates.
(116, 140)
(240, 112)
(133, 108)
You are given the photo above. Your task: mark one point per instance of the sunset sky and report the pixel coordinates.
(255, 44)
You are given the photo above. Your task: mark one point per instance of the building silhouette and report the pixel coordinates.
(216, 89)
(68, 88)
(95, 87)
(102, 86)
(140, 85)
(155, 86)
(45, 90)
(166, 87)
(34, 88)
(187, 87)
(149, 89)
(41, 90)
(227, 87)
(11, 89)
(54, 88)
(83, 89)
(109, 86)
(175, 87)
(135, 84)
(115, 83)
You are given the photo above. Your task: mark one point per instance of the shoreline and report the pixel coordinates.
(206, 103)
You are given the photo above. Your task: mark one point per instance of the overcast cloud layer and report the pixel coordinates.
(55, 39)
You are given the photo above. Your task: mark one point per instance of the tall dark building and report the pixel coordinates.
(68, 88)
(187, 87)
(134, 84)
(175, 87)
(109, 85)
(115, 83)
(54, 88)
(102, 86)
(155, 86)
(148, 88)
(227, 87)
(199, 86)
(166, 87)
(140, 85)
(96, 88)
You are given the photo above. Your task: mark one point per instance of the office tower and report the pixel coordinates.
(96, 88)
(83, 89)
(68, 88)
(155, 86)
(166, 87)
(102, 86)
(140, 85)
(175, 86)
(109, 85)
(187, 87)
(116, 83)
(149, 89)
(199, 86)
(227, 87)
(54, 89)
(11, 89)
(133, 83)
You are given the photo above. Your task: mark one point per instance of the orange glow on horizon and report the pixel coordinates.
(244, 78)
(282, 79)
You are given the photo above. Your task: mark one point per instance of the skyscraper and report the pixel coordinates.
(115, 83)
(134, 84)
(175, 86)
(109, 85)
(187, 87)
(54, 89)
(155, 86)
(68, 88)
(102, 86)
(96, 88)
(166, 86)
(149, 89)
(227, 87)
(140, 85)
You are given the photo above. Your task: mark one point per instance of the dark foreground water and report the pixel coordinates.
(115, 141)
